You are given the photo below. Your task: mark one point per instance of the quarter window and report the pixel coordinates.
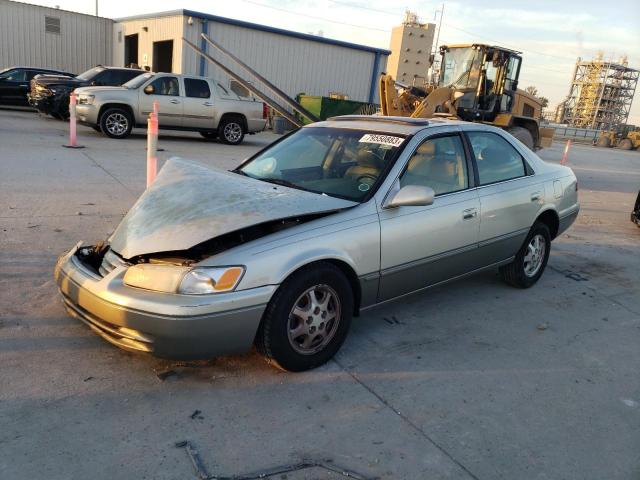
(438, 163)
(166, 86)
(196, 88)
(496, 158)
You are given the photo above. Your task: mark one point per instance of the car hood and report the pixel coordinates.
(48, 80)
(189, 203)
(92, 90)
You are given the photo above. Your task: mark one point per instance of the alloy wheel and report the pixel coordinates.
(232, 132)
(534, 257)
(314, 319)
(117, 124)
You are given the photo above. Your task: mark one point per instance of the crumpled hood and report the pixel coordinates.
(189, 203)
(51, 80)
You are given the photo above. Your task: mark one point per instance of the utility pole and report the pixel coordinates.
(96, 8)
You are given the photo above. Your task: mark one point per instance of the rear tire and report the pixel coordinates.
(231, 130)
(523, 135)
(116, 123)
(530, 262)
(209, 135)
(307, 320)
(604, 142)
(625, 144)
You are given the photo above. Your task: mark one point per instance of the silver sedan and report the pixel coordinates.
(333, 219)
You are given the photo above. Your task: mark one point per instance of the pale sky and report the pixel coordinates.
(550, 33)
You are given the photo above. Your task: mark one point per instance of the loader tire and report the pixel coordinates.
(523, 135)
(604, 142)
(625, 144)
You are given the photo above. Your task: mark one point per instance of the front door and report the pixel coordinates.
(165, 89)
(14, 87)
(198, 104)
(510, 195)
(421, 246)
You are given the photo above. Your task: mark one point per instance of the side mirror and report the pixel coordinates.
(149, 89)
(412, 195)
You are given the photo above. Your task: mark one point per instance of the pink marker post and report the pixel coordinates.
(152, 145)
(565, 156)
(73, 137)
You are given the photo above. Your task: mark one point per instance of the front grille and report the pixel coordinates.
(109, 262)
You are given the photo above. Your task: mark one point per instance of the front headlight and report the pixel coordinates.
(86, 99)
(185, 280)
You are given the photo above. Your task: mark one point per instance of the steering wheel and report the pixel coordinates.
(367, 176)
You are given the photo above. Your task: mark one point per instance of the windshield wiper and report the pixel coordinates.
(284, 183)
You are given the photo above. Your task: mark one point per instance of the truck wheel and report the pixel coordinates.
(625, 144)
(231, 130)
(530, 262)
(603, 142)
(209, 135)
(523, 135)
(307, 319)
(116, 123)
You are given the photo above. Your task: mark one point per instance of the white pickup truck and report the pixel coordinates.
(185, 103)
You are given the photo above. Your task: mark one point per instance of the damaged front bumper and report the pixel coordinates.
(165, 325)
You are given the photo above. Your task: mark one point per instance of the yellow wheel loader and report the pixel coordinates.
(478, 83)
(624, 141)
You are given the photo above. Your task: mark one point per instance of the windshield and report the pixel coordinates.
(138, 81)
(460, 68)
(338, 162)
(89, 74)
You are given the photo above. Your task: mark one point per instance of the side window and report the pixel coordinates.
(223, 91)
(196, 88)
(126, 75)
(239, 89)
(14, 76)
(438, 163)
(166, 86)
(497, 159)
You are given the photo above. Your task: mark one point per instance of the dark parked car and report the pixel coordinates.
(50, 93)
(635, 215)
(14, 83)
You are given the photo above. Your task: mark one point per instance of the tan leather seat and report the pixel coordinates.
(368, 165)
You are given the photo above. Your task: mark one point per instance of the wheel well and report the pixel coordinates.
(551, 220)
(348, 272)
(124, 106)
(239, 116)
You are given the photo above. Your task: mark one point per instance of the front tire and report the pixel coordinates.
(523, 135)
(625, 144)
(116, 123)
(530, 262)
(308, 318)
(231, 130)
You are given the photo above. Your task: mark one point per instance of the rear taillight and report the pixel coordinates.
(265, 110)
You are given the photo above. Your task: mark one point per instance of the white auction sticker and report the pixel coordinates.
(381, 139)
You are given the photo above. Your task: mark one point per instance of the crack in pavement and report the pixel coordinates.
(133, 194)
(406, 419)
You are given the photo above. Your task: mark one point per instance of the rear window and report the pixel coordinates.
(89, 74)
(197, 88)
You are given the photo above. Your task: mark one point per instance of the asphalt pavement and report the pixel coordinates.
(472, 380)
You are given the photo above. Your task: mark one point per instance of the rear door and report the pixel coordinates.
(421, 246)
(166, 90)
(198, 104)
(510, 195)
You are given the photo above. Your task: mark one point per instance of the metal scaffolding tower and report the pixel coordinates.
(601, 94)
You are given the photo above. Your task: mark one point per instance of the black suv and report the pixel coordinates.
(50, 93)
(14, 83)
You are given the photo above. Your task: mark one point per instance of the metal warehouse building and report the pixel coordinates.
(295, 62)
(36, 36)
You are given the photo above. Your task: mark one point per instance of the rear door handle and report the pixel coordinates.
(174, 101)
(535, 196)
(208, 104)
(469, 213)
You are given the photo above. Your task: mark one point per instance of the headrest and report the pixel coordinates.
(427, 148)
(491, 154)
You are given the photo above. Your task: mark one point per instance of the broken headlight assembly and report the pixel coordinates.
(183, 280)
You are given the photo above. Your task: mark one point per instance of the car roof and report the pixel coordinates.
(398, 125)
(44, 69)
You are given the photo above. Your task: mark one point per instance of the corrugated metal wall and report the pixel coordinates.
(84, 41)
(158, 29)
(294, 65)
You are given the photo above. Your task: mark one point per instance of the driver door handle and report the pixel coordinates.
(469, 213)
(535, 196)
(174, 101)
(208, 104)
